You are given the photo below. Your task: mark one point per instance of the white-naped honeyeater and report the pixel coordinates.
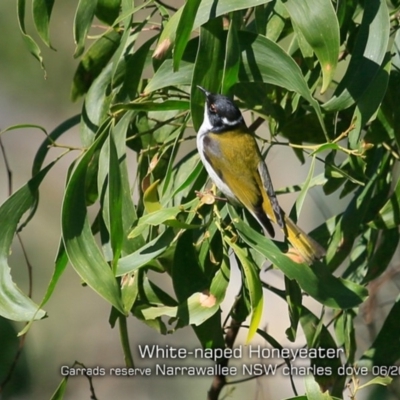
(231, 156)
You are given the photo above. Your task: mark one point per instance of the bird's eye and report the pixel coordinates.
(213, 108)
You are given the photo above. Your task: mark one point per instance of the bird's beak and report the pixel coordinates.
(206, 92)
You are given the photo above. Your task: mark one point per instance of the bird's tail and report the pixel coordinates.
(307, 248)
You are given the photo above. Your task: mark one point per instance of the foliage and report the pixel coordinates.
(282, 60)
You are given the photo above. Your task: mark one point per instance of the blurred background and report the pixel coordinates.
(77, 327)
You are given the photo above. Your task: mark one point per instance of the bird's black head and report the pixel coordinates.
(221, 111)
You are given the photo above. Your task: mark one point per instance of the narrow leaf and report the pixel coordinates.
(253, 284)
(93, 61)
(150, 251)
(210, 53)
(83, 20)
(380, 353)
(60, 391)
(184, 29)
(232, 56)
(317, 22)
(368, 54)
(29, 42)
(115, 201)
(80, 245)
(317, 282)
(41, 17)
(14, 304)
(378, 380)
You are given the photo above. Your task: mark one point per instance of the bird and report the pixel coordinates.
(232, 158)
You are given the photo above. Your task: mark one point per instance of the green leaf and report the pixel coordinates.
(150, 251)
(115, 202)
(96, 107)
(60, 391)
(184, 29)
(93, 62)
(189, 278)
(83, 20)
(219, 283)
(303, 193)
(129, 215)
(378, 380)
(345, 334)
(33, 48)
(166, 77)
(192, 176)
(317, 22)
(388, 216)
(294, 300)
(277, 16)
(313, 390)
(383, 254)
(14, 304)
(232, 55)
(348, 228)
(380, 353)
(207, 10)
(135, 65)
(253, 285)
(80, 245)
(368, 54)
(59, 268)
(370, 101)
(210, 53)
(257, 53)
(41, 10)
(318, 282)
(154, 218)
(108, 10)
(194, 311)
(129, 290)
(318, 336)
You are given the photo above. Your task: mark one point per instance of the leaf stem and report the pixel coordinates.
(123, 332)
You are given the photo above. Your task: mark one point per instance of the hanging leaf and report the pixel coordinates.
(33, 47)
(367, 56)
(79, 242)
(316, 21)
(41, 10)
(14, 304)
(83, 20)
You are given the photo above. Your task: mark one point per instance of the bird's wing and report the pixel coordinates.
(267, 184)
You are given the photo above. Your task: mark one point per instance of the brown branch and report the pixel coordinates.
(219, 381)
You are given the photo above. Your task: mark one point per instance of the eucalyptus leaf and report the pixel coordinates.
(80, 245)
(83, 19)
(318, 282)
(41, 10)
(368, 55)
(14, 304)
(148, 252)
(317, 22)
(32, 46)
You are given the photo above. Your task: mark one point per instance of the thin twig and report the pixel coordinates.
(219, 381)
(167, 6)
(7, 165)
